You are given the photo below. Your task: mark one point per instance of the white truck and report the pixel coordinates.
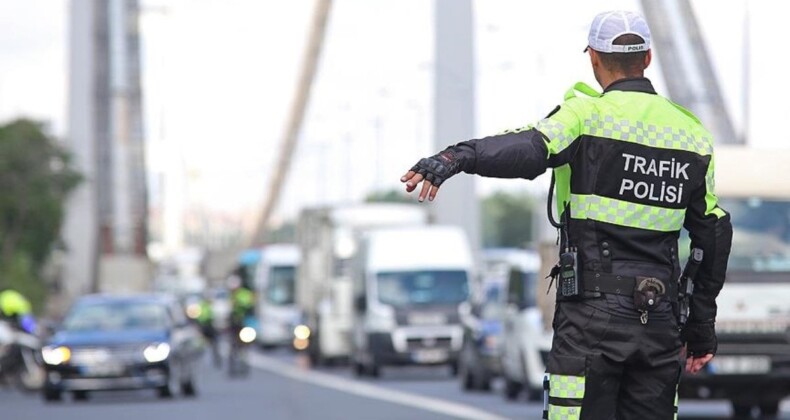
(406, 304)
(327, 238)
(275, 282)
(752, 365)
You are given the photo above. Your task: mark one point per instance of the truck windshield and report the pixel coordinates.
(761, 234)
(406, 288)
(280, 286)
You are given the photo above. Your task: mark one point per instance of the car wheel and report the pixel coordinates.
(167, 390)
(465, 376)
(51, 394)
(188, 388)
(80, 395)
(769, 409)
(512, 389)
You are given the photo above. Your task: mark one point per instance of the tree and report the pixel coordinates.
(507, 219)
(36, 176)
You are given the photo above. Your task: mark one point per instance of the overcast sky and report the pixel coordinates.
(219, 76)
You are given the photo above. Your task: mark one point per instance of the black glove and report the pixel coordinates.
(700, 338)
(438, 168)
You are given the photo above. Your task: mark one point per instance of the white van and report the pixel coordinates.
(274, 285)
(406, 301)
(525, 340)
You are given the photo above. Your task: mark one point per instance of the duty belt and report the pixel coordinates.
(613, 283)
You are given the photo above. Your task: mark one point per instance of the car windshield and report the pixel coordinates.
(761, 234)
(406, 288)
(116, 316)
(280, 287)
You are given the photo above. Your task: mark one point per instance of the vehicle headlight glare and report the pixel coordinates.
(247, 335)
(55, 355)
(491, 342)
(156, 352)
(302, 332)
(194, 311)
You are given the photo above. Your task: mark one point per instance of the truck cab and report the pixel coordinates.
(406, 304)
(752, 365)
(277, 312)
(328, 238)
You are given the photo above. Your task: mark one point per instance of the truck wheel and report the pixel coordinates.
(359, 369)
(534, 394)
(769, 409)
(374, 370)
(512, 389)
(484, 383)
(80, 395)
(741, 410)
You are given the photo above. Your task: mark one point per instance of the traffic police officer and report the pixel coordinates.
(632, 168)
(15, 307)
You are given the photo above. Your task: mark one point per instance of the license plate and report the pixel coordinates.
(104, 369)
(430, 356)
(740, 365)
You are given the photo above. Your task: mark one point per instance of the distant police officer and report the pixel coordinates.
(16, 308)
(632, 168)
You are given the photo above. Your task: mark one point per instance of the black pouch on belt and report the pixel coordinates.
(648, 292)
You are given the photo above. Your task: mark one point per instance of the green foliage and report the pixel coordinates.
(507, 219)
(36, 176)
(389, 196)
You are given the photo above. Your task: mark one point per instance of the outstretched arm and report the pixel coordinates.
(508, 155)
(523, 153)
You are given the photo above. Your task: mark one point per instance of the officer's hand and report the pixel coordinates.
(700, 338)
(432, 172)
(695, 363)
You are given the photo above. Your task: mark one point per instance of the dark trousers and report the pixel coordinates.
(607, 366)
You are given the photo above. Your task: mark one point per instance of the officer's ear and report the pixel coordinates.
(648, 58)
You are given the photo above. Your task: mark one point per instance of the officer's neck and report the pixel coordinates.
(606, 78)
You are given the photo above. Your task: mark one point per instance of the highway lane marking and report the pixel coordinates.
(350, 386)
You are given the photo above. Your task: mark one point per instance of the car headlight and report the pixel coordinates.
(156, 352)
(247, 335)
(302, 332)
(55, 355)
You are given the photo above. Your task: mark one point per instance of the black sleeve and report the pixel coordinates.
(710, 229)
(521, 154)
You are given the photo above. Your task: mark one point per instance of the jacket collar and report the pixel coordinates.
(635, 84)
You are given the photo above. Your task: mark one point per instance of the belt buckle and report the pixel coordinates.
(644, 283)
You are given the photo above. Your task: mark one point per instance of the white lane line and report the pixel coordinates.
(369, 391)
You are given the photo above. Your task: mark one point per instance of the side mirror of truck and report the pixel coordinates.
(360, 303)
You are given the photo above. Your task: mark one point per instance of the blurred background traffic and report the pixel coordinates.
(201, 199)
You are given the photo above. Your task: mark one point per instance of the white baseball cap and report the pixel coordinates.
(607, 26)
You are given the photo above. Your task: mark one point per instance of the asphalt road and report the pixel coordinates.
(281, 386)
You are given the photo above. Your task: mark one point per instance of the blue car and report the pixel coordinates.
(120, 343)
